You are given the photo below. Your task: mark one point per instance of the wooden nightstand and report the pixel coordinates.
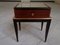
(32, 12)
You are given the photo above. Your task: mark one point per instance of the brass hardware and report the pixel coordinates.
(32, 14)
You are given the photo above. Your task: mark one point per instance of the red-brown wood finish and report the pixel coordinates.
(32, 13)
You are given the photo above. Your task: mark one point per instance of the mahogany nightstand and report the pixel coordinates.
(32, 12)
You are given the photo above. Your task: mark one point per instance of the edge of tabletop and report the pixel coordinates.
(32, 18)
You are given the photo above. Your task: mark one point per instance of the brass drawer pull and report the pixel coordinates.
(32, 14)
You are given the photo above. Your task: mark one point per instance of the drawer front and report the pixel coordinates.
(32, 13)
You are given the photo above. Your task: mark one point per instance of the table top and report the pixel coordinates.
(31, 5)
(33, 18)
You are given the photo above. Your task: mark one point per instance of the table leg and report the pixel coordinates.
(16, 29)
(41, 26)
(47, 29)
(19, 26)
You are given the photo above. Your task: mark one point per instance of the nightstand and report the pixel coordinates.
(32, 12)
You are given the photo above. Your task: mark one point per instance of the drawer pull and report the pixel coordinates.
(32, 14)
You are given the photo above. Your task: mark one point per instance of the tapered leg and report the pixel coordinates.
(47, 29)
(41, 26)
(19, 26)
(16, 29)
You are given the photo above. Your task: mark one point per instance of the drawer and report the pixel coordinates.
(32, 13)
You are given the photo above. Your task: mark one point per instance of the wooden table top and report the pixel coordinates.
(33, 18)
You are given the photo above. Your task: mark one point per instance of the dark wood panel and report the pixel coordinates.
(32, 13)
